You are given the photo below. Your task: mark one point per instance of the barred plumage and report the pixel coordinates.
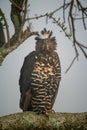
(40, 75)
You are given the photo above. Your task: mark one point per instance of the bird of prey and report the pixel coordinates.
(40, 75)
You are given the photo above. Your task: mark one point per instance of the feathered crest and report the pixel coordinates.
(44, 34)
(45, 41)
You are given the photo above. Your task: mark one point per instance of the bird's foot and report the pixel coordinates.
(47, 112)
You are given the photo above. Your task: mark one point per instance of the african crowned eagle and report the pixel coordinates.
(40, 75)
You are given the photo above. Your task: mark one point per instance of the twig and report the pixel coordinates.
(71, 64)
(84, 12)
(80, 18)
(47, 14)
(72, 21)
(62, 26)
(64, 10)
(71, 5)
(73, 26)
(81, 47)
(44, 15)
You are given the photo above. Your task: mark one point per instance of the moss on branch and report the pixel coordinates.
(55, 121)
(4, 51)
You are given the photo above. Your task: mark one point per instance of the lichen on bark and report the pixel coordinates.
(33, 121)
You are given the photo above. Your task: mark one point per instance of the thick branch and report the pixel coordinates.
(57, 121)
(5, 51)
(18, 21)
(17, 14)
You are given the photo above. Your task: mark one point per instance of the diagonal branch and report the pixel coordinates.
(71, 64)
(5, 51)
(83, 11)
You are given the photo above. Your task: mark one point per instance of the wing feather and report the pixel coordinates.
(24, 80)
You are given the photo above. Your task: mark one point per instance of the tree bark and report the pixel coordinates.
(2, 35)
(5, 51)
(33, 121)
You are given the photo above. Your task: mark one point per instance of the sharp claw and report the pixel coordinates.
(46, 112)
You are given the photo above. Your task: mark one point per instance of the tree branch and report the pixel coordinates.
(57, 121)
(71, 64)
(5, 51)
(84, 12)
(19, 36)
(71, 5)
(18, 17)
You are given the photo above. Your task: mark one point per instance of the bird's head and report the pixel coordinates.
(45, 42)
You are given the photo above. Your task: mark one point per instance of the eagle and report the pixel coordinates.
(40, 75)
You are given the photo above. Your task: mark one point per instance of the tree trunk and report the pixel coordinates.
(33, 121)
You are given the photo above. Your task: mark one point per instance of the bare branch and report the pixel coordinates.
(80, 18)
(81, 47)
(46, 14)
(71, 64)
(72, 20)
(64, 10)
(37, 17)
(83, 11)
